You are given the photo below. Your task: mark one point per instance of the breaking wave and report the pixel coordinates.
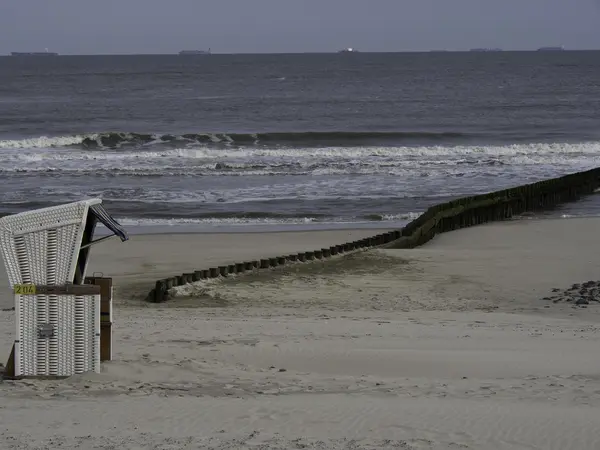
(114, 140)
(457, 160)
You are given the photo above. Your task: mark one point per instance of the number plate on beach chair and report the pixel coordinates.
(25, 289)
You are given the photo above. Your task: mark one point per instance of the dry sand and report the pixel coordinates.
(444, 347)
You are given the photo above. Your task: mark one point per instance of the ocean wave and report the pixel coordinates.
(267, 219)
(239, 171)
(390, 217)
(290, 155)
(401, 161)
(115, 140)
(44, 142)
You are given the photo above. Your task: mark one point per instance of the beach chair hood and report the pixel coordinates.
(51, 246)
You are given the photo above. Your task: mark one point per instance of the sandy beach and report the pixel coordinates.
(472, 341)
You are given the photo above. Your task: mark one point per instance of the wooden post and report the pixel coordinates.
(106, 315)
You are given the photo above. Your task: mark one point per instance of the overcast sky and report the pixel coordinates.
(257, 26)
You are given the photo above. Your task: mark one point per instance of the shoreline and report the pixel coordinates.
(257, 228)
(136, 264)
(376, 226)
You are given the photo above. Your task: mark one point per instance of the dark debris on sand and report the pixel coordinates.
(580, 295)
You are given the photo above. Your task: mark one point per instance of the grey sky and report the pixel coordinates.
(242, 26)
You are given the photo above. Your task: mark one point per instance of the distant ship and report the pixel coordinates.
(551, 49)
(46, 53)
(485, 50)
(348, 50)
(195, 52)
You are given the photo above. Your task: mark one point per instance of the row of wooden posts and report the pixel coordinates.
(452, 215)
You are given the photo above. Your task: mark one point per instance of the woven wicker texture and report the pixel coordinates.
(41, 246)
(74, 346)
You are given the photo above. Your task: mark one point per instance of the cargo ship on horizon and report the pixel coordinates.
(551, 49)
(195, 52)
(45, 53)
(485, 50)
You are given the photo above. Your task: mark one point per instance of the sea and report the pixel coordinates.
(291, 141)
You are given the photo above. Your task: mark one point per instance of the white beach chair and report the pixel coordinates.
(46, 254)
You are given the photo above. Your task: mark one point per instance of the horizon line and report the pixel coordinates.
(537, 50)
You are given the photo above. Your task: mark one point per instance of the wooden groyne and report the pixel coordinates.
(460, 213)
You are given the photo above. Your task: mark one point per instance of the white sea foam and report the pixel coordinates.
(324, 182)
(197, 150)
(215, 221)
(128, 221)
(298, 161)
(45, 142)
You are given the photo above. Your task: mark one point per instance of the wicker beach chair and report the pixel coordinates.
(46, 251)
